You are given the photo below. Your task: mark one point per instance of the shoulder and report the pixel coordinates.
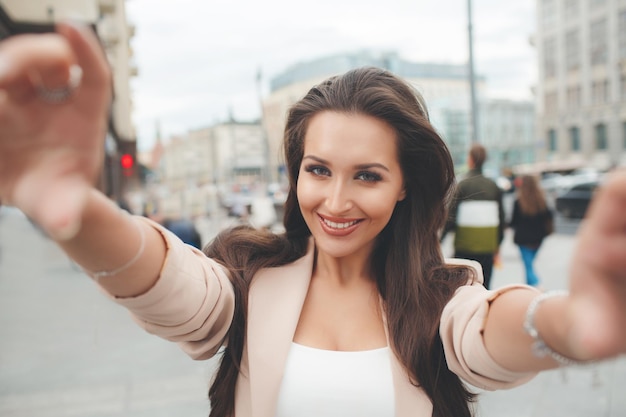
(489, 181)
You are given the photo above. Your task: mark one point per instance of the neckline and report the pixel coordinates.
(374, 350)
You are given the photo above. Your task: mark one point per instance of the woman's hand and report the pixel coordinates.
(597, 311)
(51, 152)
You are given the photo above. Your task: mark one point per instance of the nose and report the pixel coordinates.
(339, 198)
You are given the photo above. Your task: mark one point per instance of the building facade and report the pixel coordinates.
(507, 130)
(581, 90)
(198, 171)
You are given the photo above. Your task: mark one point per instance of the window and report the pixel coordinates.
(550, 103)
(598, 41)
(600, 91)
(548, 12)
(572, 50)
(621, 33)
(574, 136)
(596, 4)
(571, 9)
(552, 140)
(601, 142)
(573, 97)
(549, 57)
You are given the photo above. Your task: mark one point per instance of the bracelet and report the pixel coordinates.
(539, 348)
(142, 245)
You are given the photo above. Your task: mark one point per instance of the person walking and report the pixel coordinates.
(353, 309)
(477, 215)
(532, 220)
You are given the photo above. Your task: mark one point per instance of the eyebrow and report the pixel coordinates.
(360, 166)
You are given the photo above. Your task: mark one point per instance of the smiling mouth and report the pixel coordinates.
(335, 225)
(338, 228)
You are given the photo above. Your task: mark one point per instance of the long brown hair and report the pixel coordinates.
(412, 278)
(530, 196)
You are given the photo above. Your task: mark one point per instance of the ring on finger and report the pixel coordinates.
(60, 94)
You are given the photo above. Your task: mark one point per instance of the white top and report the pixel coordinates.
(328, 383)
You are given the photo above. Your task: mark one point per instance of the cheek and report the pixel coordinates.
(306, 194)
(382, 208)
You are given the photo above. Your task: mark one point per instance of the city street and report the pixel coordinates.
(65, 350)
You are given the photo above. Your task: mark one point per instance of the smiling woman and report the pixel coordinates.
(357, 274)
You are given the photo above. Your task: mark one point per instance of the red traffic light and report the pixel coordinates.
(127, 161)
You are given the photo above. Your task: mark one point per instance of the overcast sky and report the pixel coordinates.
(198, 60)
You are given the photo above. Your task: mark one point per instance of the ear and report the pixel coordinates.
(402, 194)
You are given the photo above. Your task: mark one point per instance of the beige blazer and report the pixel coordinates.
(192, 304)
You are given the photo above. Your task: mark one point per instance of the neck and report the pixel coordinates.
(345, 271)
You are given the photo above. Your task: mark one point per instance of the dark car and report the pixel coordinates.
(573, 202)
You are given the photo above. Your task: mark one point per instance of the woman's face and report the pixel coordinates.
(349, 182)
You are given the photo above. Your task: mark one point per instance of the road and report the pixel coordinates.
(66, 350)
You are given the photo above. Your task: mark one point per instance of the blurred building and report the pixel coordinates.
(108, 19)
(581, 90)
(197, 171)
(508, 127)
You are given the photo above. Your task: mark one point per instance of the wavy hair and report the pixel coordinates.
(409, 268)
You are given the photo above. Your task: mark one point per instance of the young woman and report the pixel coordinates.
(532, 221)
(353, 310)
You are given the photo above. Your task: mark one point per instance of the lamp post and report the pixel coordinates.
(266, 172)
(472, 77)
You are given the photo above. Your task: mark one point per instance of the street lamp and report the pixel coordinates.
(266, 170)
(472, 78)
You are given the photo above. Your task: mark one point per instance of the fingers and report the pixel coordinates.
(63, 214)
(28, 62)
(602, 238)
(55, 203)
(608, 209)
(33, 63)
(89, 53)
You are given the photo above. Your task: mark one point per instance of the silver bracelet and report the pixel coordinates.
(142, 245)
(539, 348)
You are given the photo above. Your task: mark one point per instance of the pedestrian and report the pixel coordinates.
(477, 215)
(185, 229)
(532, 221)
(353, 309)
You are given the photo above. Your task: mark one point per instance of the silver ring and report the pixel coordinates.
(57, 95)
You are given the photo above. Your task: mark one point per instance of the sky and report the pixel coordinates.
(198, 60)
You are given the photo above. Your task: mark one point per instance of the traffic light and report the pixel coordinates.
(127, 162)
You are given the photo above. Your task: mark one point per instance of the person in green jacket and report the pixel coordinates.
(477, 215)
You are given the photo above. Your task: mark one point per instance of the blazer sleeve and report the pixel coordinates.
(461, 329)
(192, 303)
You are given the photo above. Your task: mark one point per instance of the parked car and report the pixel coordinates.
(573, 202)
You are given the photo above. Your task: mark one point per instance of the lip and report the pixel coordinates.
(344, 231)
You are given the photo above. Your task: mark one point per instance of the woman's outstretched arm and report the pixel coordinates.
(587, 323)
(55, 93)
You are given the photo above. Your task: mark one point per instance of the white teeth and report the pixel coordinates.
(338, 225)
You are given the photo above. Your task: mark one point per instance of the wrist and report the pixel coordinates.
(549, 334)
